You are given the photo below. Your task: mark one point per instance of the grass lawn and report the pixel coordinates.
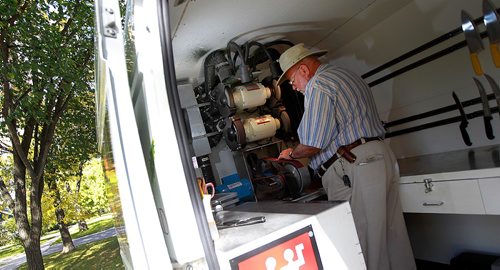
(7, 251)
(104, 254)
(95, 225)
(12, 250)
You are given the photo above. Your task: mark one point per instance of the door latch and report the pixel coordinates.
(429, 186)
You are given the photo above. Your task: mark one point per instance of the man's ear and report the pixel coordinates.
(305, 70)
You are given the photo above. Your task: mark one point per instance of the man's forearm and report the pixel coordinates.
(304, 151)
(300, 151)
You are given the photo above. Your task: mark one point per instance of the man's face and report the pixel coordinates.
(297, 77)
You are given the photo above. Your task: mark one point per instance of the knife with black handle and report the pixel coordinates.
(495, 88)
(464, 123)
(486, 110)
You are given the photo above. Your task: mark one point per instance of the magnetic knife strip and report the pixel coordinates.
(420, 49)
(442, 122)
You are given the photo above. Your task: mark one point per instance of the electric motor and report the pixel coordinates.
(250, 96)
(238, 132)
(260, 128)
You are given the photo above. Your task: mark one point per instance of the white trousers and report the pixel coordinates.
(375, 204)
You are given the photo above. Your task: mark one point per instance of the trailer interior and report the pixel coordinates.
(204, 110)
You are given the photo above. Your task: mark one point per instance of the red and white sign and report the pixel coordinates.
(299, 252)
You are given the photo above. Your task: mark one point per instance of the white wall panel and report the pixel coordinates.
(426, 87)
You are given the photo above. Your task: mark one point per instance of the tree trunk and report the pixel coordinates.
(29, 235)
(63, 229)
(82, 225)
(36, 224)
(34, 255)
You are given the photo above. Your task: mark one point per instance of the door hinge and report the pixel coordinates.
(109, 26)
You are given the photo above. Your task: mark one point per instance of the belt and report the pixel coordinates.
(345, 152)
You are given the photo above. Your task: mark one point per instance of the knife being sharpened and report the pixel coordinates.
(486, 110)
(492, 22)
(464, 123)
(474, 41)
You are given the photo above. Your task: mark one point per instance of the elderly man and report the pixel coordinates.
(341, 133)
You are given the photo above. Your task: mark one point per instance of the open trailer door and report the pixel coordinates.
(140, 235)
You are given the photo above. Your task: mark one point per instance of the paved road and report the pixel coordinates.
(47, 248)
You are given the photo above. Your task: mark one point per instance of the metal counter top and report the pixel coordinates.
(461, 160)
(277, 214)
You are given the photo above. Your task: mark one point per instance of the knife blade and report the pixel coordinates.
(464, 123)
(492, 22)
(474, 42)
(241, 222)
(486, 110)
(495, 88)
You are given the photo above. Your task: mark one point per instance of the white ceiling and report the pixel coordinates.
(201, 26)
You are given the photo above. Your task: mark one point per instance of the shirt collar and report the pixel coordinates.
(313, 78)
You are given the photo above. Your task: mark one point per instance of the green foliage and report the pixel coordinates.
(74, 145)
(90, 200)
(8, 232)
(7, 227)
(48, 211)
(75, 139)
(93, 190)
(6, 175)
(48, 45)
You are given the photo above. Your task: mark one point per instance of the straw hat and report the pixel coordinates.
(292, 56)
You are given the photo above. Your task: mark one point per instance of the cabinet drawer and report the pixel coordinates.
(490, 191)
(451, 197)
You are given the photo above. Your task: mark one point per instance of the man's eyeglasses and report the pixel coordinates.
(292, 78)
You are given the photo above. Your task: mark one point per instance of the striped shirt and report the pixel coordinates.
(338, 109)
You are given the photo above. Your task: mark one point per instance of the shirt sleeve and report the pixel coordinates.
(318, 125)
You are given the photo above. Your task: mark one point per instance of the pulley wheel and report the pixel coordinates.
(285, 123)
(234, 133)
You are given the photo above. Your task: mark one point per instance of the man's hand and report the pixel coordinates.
(285, 154)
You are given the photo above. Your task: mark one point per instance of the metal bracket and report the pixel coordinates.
(429, 186)
(109, 23)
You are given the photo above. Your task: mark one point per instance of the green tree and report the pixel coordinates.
(66, 161)
(81, 197)
(7, 225)
(46, 51)
(8, 232)
(93, 199)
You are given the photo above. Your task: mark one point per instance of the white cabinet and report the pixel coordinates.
(466, 192)
(490, 190)
(452, 197)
